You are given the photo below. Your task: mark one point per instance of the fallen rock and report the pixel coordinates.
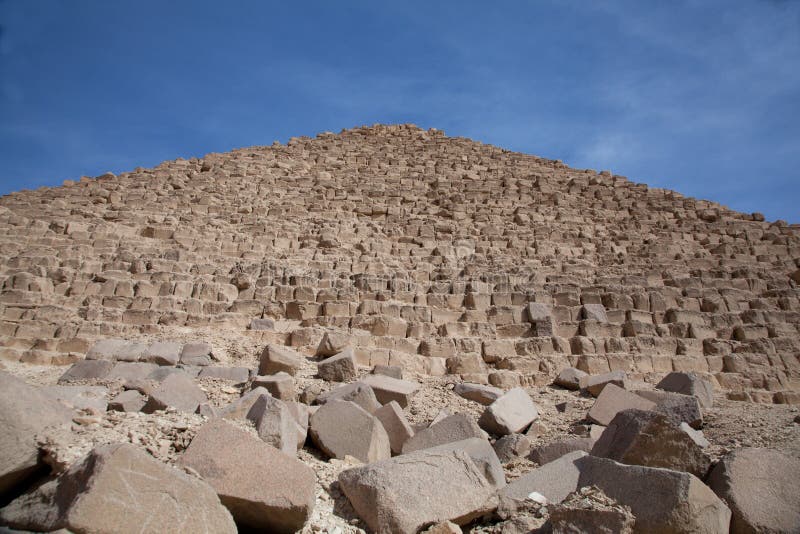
(455, 427)
(237, 375)
(689, 384)
(662, 500)
(24, 412)
(342, 428)
(544, 454)
(357, 392)
(338, 368)
(510, 414)
(197, 353)
(389, 389)
(275, 423)
(570, 378)
(479, 393)
(614, 399)
(79, 397)
(594, 384)
(300, 413)
(177, 391)
(762, 489)
(111, 349)
(647, 438)
(396, 425)
(512, 446)
(127, 401)
(163, 353)
(87, 370)
(554, 480)
(677, 407)
(132, 371)
(280, 385)
(482, 455)
(395, 495)
(393, 371)
(239, 408)
(276, 358)
(118, 488)
(262, 487)
(332, 343)
(590, 510)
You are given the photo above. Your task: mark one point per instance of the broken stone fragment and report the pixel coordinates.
(119, 488)
(395, 495)
(332, 343)
(570, 378)
(357, 392)
(177, 391)
(479, 393)
(761, 487)
(389, 389)
(614, 399)
(127, 401)
(594, 384)
(239, 408)
(163, 353)
(554, 480)
(343, 428)
(396, 425)
(590, 510)
(678, 408)
(24, 412)
(455, 427)
(87, 370)
(482, 455)
(338, 368)
(393, 371)
(275, 423)
(510, 414)
(277, 358)
(647, 438)
(544, 454)
(280, 385)
(512, 446)
(198, 354)
(689, 384)
(262, 487)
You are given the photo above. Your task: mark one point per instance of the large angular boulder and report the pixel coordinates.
(646, 438)
(406, 493)
(239, 408)
(127, 401)
(396, 425)
(662, 500)
(280, 385)
(275, 423)
(452, 428)
(163, 353)
(116, 349)
(511, 447)
(357, 392)
(554, 480)
(338, 368)
(79, 397)
(132, 371)
(24, 412)
(277, 358)
(510, 414)
(594, 384)
(590, 510)
(332, 343)
(197, 353)
(570, 378)
(689, 384)
(119, 488)
(614, 399)
(544, 454)
(479, 393)
(87, 370)
(177, 391)
(483, 456)
(262, 487)
(342, 428)
(389, 389)
(762, 489)
(678, 408)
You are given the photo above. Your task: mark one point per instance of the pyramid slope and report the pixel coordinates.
(427, 249)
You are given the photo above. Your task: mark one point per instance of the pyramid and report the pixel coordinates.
(441, 255)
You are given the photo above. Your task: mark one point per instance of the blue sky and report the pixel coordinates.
(698, 96)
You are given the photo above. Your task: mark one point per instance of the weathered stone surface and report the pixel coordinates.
(554, 480)
(79, 397)
(479, 393)
(24, 412)
(127, 401)
(614, 399)
(570, 378)
(276, 358)
(389, 389)
(455, 427)
(663, 501)
(131, 371)
(338, 368)
(762, 489)
(590, 510)
(197, 353)
(512, 446)
(689, 384)
(275, 423)
(163, 353)
(177, 391)
(594, 384)
(239, 408)
(544, 454)
(332, 343)
(483, 456)
(396, 425)
(394, 495)
(393, 371)
(647, 438)
(112, 349)
(87, 370)
(677, 407)
(357, 392)
(262, 487)
(341, 428)
(300, 413)
(509, 414)
(232, 374)
(280, 385)
(118, 488)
